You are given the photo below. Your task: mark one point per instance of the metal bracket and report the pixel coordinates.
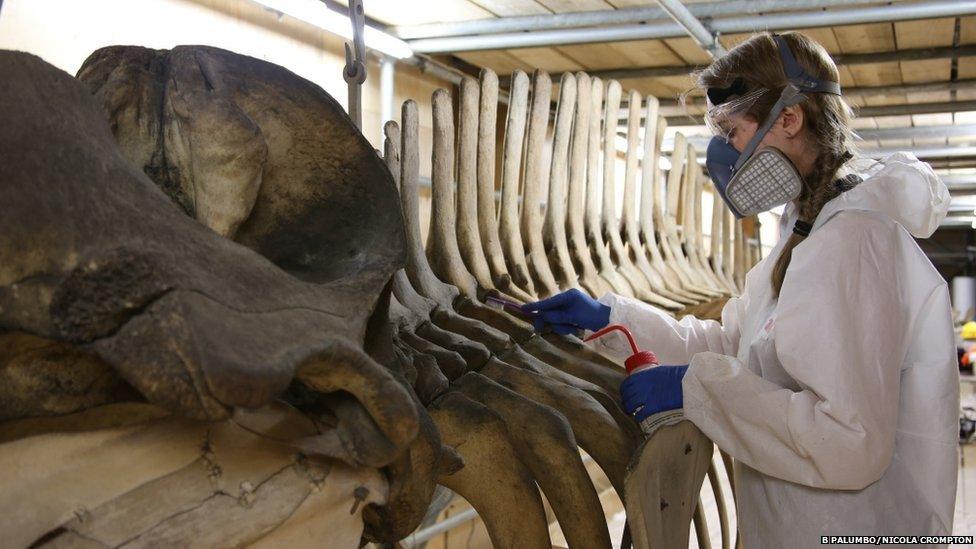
(354, 72)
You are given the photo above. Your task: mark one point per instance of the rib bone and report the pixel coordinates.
(611, 224)
(594, 231)
(508, 228)
(555, 223)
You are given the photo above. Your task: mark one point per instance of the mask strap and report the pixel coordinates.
(802, 228)
(797, 75)
(791, 96)
(800, 81)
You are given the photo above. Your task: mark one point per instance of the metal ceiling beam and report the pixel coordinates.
(868, 112)
(728, 25)
(599, 18)
(702, 35)
(867, 134)
(919, 54)
(861, 91)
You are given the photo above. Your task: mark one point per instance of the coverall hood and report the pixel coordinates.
(901, 187)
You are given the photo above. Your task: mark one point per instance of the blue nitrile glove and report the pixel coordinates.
(653, 390)
(568, 312)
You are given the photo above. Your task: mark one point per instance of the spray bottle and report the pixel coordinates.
(638, 362)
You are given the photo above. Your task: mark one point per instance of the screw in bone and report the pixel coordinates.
(360, 493)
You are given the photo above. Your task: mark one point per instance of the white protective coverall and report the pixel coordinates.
(840, 400)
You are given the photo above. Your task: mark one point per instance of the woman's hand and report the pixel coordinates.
(653, 390)
(568, 312)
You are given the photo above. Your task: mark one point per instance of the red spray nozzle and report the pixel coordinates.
(638, 358)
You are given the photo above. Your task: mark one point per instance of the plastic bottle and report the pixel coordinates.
(639, 361)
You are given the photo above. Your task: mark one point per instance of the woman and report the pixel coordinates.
(832, 379)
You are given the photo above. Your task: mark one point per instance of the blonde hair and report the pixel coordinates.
(827, 117)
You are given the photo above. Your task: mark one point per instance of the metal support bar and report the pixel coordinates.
(599, 18)
(919, 54)
(702, 35)
(867, 134)
(868, 112)
(860, 91)
(729, 25)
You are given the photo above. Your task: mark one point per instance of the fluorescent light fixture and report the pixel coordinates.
(314, 12)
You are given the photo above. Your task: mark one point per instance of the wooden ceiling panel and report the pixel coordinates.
(865, 38)
(926, 33)
(967, 67)
(825, 37)
(689, 51)
(846, 76)
(547, 59)
(506, 8)
(965, 95)
(650, 86)
(934, 119)
(419, 12)
(646, 53)
(893, 121)
(967, 29)
(594, 56)
(878, 74)
(925, 71)
(640, 53)
(929, 97)
(501, 62)
(879, 100)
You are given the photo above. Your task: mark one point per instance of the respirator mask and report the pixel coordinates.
(755, 181)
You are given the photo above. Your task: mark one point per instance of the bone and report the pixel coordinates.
(589, 276)
(443, 254)
(611, 224)
(716, 227)
(342, 369)
(535, 176)
(670, 237)
(663, 485)
(413, 478)
(651, 209)
(494, 480)
(487, 221)
(467, 230)
(686, 224)
(721, 505)
(594, 230)
(554, 234)
(198, 324)
(715, 258)
(582, 361)
(656, 236)
(548, 448)
(634, 228)
(595, 429)
(693, 222)
(422, 278)
(508, 219)
(440, 306)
